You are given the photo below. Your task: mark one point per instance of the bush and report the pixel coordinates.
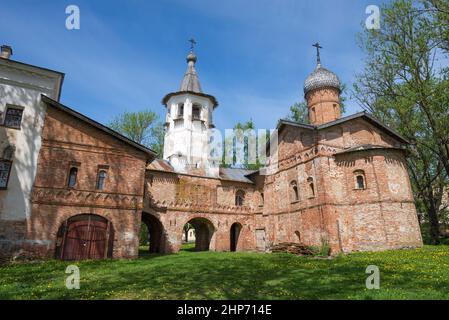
(324, 250)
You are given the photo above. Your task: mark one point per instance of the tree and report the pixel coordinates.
(186, 229)
(142, 127)
(299, 112)
(403, 86)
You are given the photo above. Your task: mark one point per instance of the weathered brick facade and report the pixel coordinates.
(380, 216)
(337, 181)
(70, 142)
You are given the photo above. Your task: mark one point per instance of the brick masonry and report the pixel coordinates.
(322, 163)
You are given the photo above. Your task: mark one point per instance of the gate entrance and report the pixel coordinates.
(85, 236)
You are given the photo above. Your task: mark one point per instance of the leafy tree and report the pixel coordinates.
(142, 127)
(144, 233)
(186, 229)
(403, 86)
(299, 112)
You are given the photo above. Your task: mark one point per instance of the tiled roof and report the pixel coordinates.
(235, 174)
(161, 165)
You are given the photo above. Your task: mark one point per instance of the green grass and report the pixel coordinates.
(405, 274)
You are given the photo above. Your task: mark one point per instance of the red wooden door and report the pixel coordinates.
(86, 237)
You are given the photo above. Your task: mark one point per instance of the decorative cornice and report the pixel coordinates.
(84, 198)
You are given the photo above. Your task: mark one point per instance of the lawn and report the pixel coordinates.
(405, 274)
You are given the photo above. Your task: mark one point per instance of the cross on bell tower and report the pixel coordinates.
(318, 47)
(192, 44)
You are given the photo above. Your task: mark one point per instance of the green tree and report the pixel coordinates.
(402, 85)
(186, 229)
(142, 127)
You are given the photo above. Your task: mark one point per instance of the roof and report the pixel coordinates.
(58, 73)
(358, 115)
(228, 174)
(204, 95)
(33, 66)
(190, 83)
(236, 174)
(97, 125)
(321, 78)
(160, 165)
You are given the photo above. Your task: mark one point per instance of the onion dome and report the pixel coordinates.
(321, 78)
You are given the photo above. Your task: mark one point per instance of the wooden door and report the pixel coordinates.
(86, 237)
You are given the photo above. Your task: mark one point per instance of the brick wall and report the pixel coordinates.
(68, 142)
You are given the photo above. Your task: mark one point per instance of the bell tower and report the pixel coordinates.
(322, 92)
(188, 120)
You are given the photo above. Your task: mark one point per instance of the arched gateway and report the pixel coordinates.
(234, 235)
(85, 236)
(204, 230)
(155, 233)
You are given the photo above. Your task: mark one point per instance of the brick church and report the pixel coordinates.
(72, 188)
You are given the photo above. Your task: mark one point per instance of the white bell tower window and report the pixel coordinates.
(196, 112)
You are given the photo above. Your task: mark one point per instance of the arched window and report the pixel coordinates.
(294, 191)
(196, 112)
(101, 179)
(239, 197)
(72, 177)
(311, 187)
(360, 179)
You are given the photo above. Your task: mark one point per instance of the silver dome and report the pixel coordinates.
(321, 78)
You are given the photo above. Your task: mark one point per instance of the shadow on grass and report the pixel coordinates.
(216, 275)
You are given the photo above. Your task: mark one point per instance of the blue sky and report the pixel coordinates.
(253, 55)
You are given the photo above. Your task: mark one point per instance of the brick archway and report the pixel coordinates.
(204, 230)
(155, 231)
(236, 228)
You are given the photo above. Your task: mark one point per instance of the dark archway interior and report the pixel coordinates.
(235, 233)
(204, 230)
(155, 233)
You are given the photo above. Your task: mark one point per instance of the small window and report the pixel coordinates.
(311, 187)
(101, 179)
(72, 177)
(13, 117)
(360, 179)
(181, 110)
(239, 197)
(5, 170)
(262, 199)
(196, 112)
(294, 191)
